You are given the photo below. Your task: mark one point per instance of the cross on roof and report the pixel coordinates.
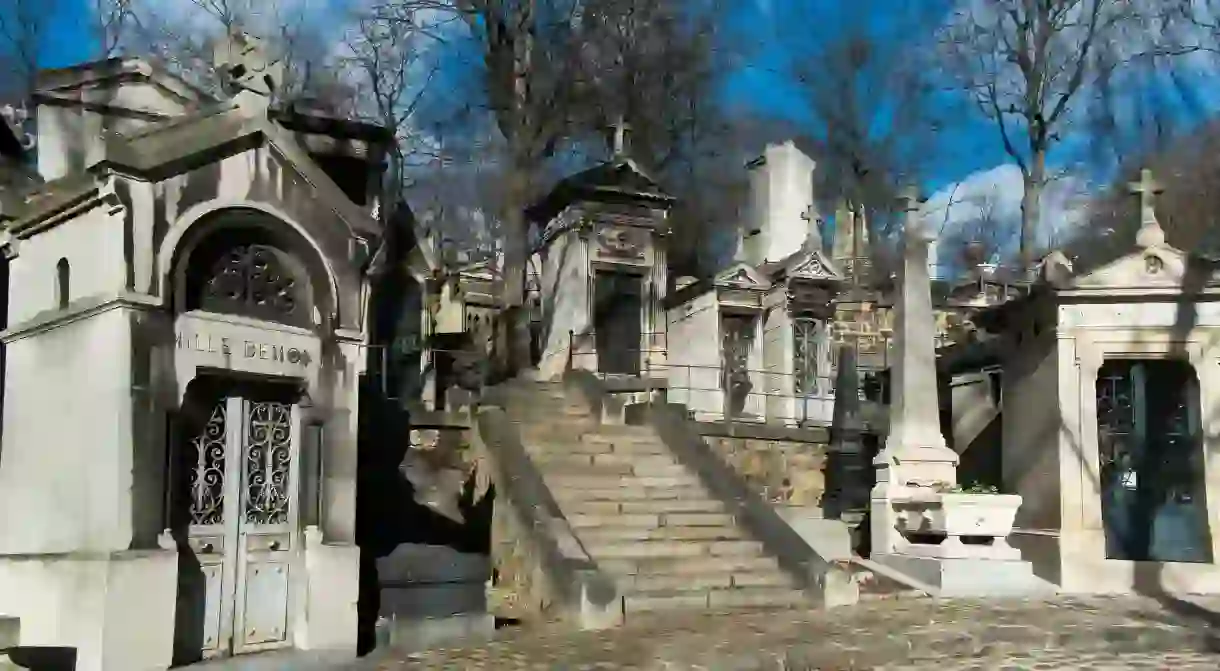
(621, 132)
(1150, 233)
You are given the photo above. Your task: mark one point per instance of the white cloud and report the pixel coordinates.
(949, 211)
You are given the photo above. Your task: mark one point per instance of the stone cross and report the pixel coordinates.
(620, 140)
(1147, 189)
(814, 230)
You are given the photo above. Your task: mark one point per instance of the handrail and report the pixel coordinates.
(576, 576)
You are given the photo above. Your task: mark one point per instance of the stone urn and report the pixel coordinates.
(990, 515)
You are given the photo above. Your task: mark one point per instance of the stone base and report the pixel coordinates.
(116, 609)
(969, 577)
(831, 539)
(411, 634)
(328, 620)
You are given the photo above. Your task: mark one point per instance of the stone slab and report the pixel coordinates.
(831, 539)
(10, 632)
(970, 577)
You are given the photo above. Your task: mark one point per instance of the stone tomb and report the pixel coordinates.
(185, 339)
(1109, 429)
(602, 272)
(753, 342)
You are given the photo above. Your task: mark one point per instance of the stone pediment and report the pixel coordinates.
(741, 276)
(812, 265)
(129, 87)
(1157, 269)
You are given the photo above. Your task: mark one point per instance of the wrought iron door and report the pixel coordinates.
(737, 340)
(805, 357)
(242, 489)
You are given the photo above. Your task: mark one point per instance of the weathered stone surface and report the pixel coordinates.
(906, 635)
(781, 471)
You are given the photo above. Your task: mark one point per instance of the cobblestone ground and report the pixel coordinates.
(901, 635)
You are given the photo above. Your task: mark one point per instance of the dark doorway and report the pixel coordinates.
(1150, 445)
(618, 309)
(737, 341)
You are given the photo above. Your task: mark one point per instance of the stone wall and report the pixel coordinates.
(785, 466)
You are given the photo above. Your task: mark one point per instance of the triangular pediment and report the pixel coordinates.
(1158, 268)
(741, 275)
(812, 265)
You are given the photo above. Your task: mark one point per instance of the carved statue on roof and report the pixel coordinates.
(246, 65)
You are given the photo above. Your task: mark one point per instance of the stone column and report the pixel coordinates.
(915, 454)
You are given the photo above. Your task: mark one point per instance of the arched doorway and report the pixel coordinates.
(246, 323)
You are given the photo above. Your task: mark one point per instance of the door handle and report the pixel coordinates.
(274, 546)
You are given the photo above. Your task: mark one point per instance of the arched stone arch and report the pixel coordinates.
(250, 259)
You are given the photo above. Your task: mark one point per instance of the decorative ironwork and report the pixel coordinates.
(251, 279)
(1115, 415)
(805, 353)
(737, 341)
(268, 457)
(207, 477)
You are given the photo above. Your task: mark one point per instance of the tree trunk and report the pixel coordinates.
(512, 333)
(1031, 207)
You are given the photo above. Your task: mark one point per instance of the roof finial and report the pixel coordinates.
(910, 202)
(1150, 233)
(620, 139)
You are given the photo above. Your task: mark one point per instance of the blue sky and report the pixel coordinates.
(971, 147)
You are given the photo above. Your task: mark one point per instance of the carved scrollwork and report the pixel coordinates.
(621, 243)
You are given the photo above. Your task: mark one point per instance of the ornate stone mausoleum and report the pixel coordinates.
(184, 345)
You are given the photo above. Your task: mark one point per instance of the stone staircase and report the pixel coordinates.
(640, 514)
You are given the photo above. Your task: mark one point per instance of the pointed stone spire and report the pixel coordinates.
(845, 235)
(1150, 234)
(915, 450)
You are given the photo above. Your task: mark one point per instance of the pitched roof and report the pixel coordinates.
(175, 145)
(620, 179)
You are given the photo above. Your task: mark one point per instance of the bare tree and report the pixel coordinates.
(873, 127)
(987, 230)
(23, 25)
(1029, 66)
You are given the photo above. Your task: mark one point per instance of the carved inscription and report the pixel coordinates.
(238, 347)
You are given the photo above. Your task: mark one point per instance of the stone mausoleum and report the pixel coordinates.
(185, 338)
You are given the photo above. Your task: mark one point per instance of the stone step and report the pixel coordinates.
(693, 582)
(608, 534)
(613, 472)
(550, 442)
(626, 492)
(670, 548)
(637, 464)
(578, 505)
(616, 438)
(581, 479)
(716, 598)
(639, 521)
(683, 565)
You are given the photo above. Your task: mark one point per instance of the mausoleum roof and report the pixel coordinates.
(617, 180)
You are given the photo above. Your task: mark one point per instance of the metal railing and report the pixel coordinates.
(732, 394)
(640, 360)
(712, 392)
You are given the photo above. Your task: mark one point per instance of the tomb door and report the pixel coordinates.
(618, 311)
(806, 351)
(238, 476)
(737, 340)
(1150, 446)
